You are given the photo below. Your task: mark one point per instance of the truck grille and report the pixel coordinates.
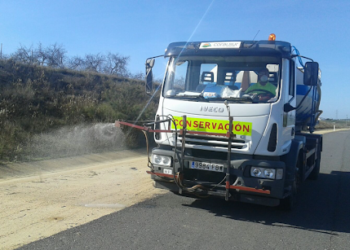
(220, 142)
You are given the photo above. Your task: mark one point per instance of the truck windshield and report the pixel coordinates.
(238, 78)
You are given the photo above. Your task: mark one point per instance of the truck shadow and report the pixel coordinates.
(323, 207)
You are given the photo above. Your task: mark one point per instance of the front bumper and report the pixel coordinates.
(241, 186)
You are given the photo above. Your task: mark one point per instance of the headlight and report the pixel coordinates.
(161, 160)
(267, 173)
(270, 173)
(256, 172)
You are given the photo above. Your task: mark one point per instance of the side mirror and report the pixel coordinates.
(311, 74)
(149, 75)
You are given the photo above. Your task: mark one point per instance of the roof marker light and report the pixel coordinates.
(272, 37)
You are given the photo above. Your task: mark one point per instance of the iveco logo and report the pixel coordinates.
(212, 109)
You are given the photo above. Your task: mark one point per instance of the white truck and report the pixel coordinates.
(218, 136)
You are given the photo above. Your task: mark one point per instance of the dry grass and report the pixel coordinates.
(38, 104)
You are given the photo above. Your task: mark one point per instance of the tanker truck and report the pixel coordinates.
(221, 132)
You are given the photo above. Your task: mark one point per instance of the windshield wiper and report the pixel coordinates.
(189, 95)
(199, 97)
(243, 99)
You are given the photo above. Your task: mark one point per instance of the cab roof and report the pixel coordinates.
(230, 48)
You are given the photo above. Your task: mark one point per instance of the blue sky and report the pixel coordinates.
(140, 29)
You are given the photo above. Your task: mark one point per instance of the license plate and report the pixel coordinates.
(167, 171)
(207, 166)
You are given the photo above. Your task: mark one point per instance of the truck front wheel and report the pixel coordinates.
(315, 172)
(289, 202)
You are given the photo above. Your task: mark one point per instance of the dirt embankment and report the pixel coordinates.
(40, 199)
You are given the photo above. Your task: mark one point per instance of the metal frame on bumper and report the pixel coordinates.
(242, 187)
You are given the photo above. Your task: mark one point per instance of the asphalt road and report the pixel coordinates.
(321, 220)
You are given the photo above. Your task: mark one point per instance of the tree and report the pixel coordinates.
(56, 56)
(76, 63)
(93, 62)
(53, 56)
(24, 55)
(41, 55)
(116, 65)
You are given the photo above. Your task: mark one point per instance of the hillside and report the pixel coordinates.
(36, 101)
(46, 112)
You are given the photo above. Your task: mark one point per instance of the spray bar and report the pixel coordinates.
(183, 132)
(242, 188)
(118, 124)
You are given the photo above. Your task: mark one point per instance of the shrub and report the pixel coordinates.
(36, 100)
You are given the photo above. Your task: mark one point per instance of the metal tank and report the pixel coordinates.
(308, 102)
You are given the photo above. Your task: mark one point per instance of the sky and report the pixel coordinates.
(140, 29)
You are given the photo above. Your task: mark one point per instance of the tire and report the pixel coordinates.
(315, 172)
(289, 203)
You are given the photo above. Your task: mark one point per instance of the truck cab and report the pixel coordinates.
(227, 122)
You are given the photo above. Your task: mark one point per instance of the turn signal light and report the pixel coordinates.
(272, 37)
